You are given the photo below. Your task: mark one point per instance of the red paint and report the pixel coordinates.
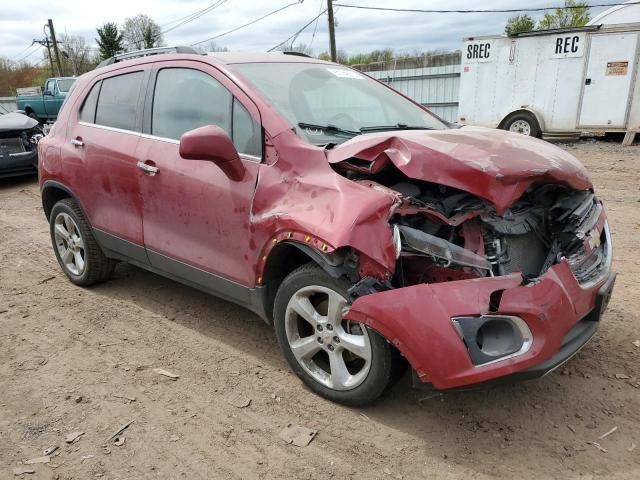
(492, 164)
(427, 338)
(227, 220)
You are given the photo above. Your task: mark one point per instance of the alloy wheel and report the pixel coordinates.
(69, 243)
(335, 352)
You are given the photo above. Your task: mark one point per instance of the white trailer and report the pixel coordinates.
(554, 83)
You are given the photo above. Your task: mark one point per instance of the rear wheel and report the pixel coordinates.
(340, 360)
(524, 123)
(76, 249)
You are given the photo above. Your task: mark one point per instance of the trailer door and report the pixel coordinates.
(608, 79)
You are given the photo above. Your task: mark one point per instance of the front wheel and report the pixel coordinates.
(343, 361)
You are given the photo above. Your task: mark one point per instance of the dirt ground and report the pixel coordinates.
(70, 357)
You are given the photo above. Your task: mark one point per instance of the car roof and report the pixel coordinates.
(230, 58)
(220, 58)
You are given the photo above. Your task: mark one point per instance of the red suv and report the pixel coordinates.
(368, 231)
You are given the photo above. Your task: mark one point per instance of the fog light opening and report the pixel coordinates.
(498, 337)
(493, 338)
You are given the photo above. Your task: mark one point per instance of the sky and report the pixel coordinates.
(358, 31)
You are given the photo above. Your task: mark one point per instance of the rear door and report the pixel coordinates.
(104, 140)
(608, 80)
(196, 219)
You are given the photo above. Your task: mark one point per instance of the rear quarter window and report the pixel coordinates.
(118, 101)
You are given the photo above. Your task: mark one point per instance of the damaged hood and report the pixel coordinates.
(492, 164)
(16, 121)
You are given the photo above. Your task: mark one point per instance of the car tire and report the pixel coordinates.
(75, 246)
(330, 368)
(524, 123)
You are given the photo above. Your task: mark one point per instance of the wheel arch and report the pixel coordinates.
(539, 118)
(52, 192)
(285, 257)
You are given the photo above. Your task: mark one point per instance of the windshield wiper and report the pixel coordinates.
(397, 126)
(328, 128)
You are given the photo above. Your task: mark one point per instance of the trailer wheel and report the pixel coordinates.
(524, 123)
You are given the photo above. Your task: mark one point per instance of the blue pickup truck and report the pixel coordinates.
(44, 106)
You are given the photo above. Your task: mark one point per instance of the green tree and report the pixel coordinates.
(109, 40)
(141, 32)
(519, 24)
(576, 15)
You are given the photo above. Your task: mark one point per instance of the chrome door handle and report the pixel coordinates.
(77, 143)
(150, 169)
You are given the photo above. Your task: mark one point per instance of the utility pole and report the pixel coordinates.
(45, 43)
(332, 31)
(52, 32)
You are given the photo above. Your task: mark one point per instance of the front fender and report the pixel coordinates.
(309, 202)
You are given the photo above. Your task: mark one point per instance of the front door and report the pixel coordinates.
(608, 80)
(51, 100)
(195, 218)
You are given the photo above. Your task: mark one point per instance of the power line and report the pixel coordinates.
(247, 24)
(180, 22)
(213, 5)
(27, 55)
(315, 28)
(196, 15)
(23, 51)
(295, 35)
(504, 10)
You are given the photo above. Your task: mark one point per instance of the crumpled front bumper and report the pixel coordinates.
(418, 321)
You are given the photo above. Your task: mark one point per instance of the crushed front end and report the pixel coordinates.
(479, 294)
(19, 137)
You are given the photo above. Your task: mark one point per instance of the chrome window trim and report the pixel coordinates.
(244, 156)
(162, 139)
(112, 129)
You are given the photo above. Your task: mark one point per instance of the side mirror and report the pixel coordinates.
(47, 92)
(213, 144)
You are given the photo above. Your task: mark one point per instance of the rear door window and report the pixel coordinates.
(88, 109)
(185, 99)
(118, 101)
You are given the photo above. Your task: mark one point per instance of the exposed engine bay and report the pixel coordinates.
(443, 233)
(19, 137)
(21, 141)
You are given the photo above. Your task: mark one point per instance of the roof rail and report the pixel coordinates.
(297, 54)
(144, 53)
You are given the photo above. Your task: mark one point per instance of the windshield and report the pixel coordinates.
(65, 85)
(330, 103)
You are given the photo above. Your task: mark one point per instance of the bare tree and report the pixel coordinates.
(213, 47)
(141, 32)
(76, 53)
(298, 47)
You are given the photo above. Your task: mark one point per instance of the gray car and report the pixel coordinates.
(19, 137)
